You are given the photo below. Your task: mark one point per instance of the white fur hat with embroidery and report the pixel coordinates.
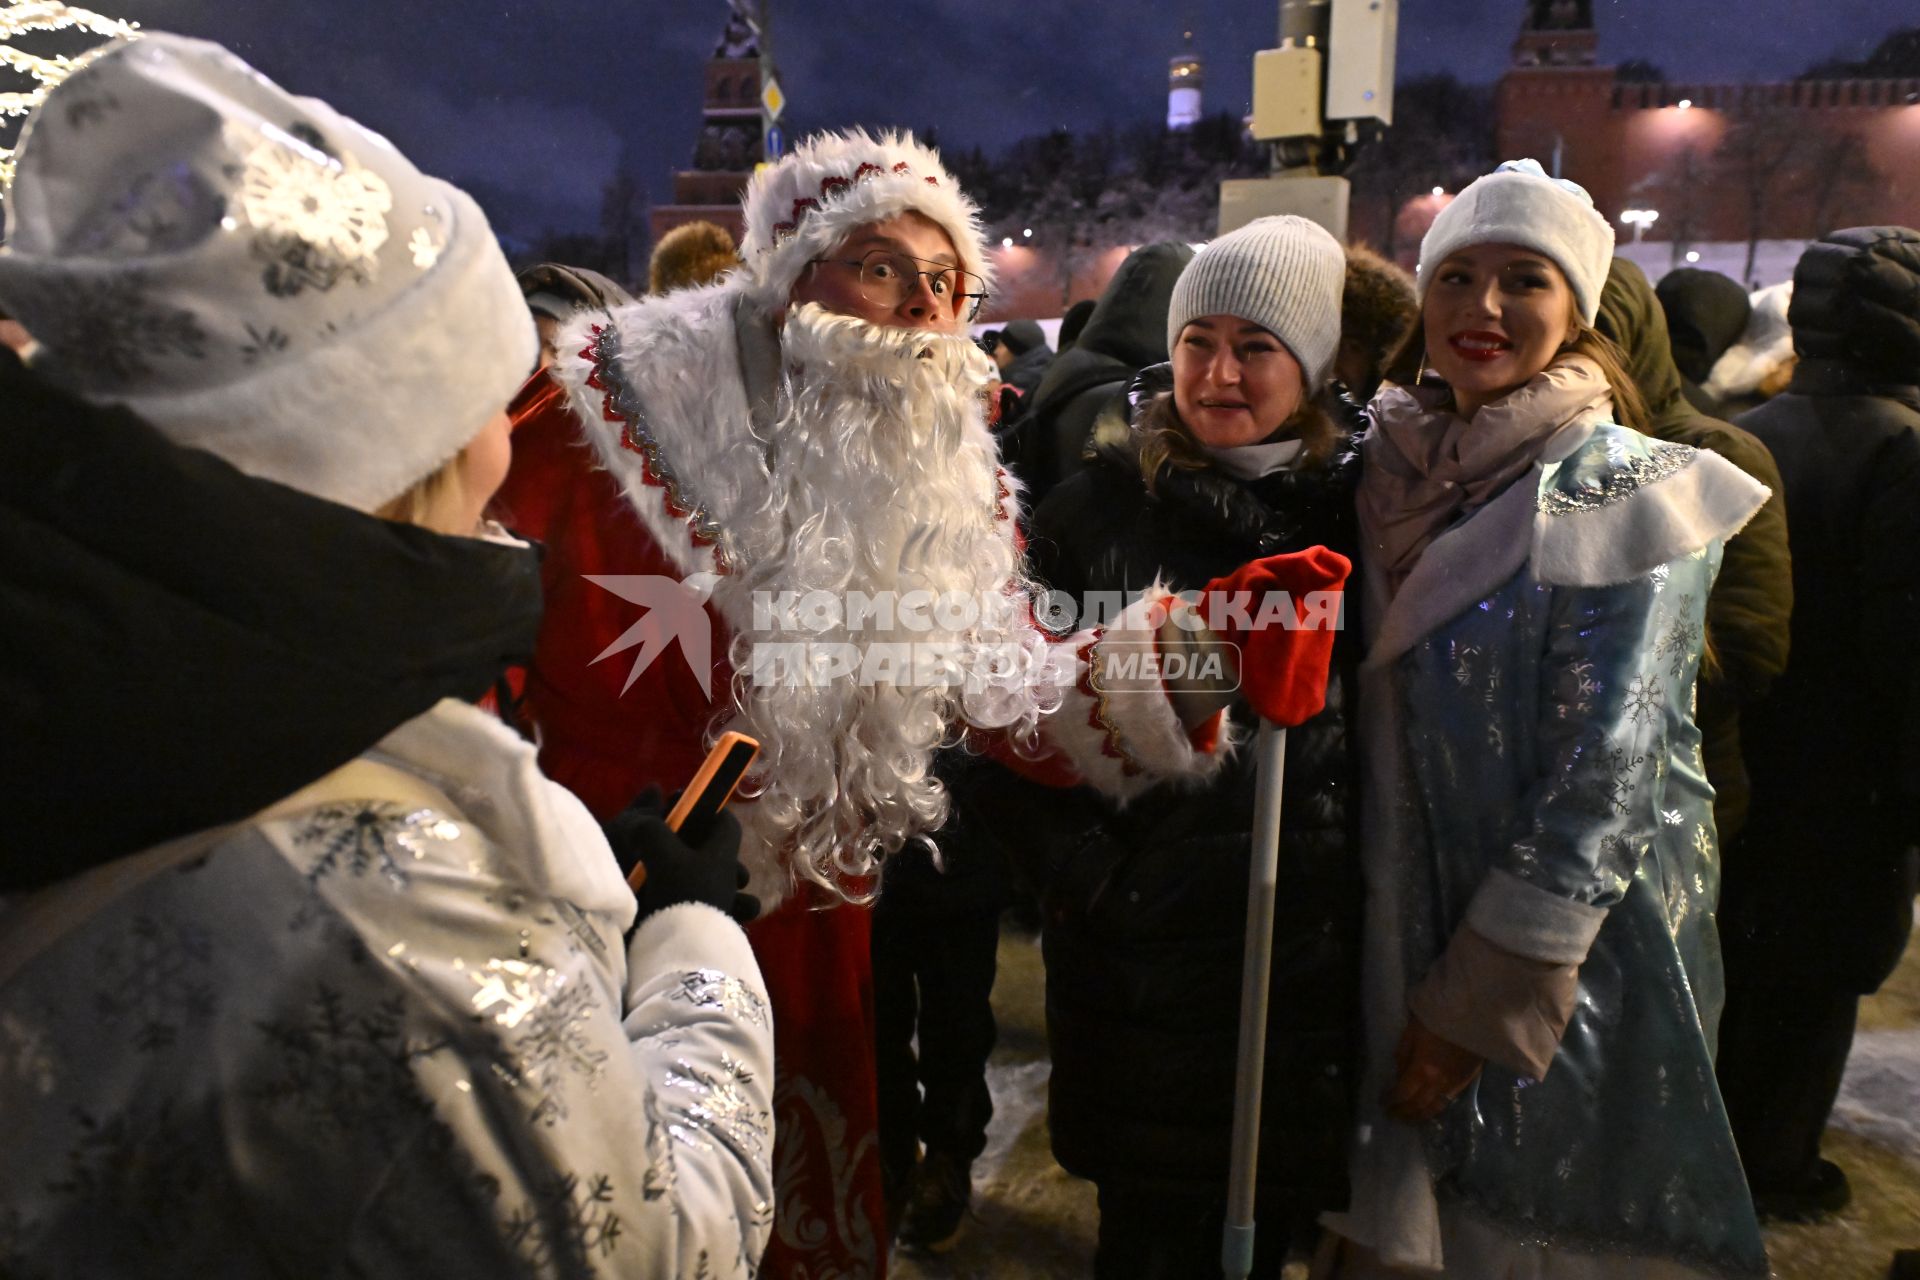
(1519, 204)
(257, 275)
(835, 183)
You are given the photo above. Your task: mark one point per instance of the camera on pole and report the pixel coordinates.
(1317, 99)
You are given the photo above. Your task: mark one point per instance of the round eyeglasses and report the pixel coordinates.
(891, 278)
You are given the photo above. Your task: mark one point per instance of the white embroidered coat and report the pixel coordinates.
(396, 1032)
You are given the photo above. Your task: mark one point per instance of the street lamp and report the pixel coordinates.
(1639, 220)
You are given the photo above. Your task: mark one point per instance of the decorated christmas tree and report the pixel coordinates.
(26, 78)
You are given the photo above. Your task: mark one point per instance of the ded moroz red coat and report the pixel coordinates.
(629, 457)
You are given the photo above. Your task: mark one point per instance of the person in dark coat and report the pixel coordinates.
(1818, 905)
(1126, 333)
(117, 593)
(1073, 322)
(1706, 314)
(1750, 607)
(1145, 912)
(936, 934)
(1378, 308)
(1023, 355)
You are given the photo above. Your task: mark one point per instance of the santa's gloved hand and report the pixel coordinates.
(708, 870)
(1283, 668)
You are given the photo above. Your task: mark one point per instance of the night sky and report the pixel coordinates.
(531, 106)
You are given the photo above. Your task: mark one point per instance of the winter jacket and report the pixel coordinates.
(390, 1027)
(1532, 779)
(1749, 610)
(186, 644)
(1825, 882)
(1027, 342)
(1126, 333)
(1706, 313)
(1146, 911)
(1026, 370)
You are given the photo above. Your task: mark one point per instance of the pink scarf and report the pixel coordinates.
(1426, 466)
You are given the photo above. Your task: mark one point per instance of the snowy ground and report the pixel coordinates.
(1032, 1221)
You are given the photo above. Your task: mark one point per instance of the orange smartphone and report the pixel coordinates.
(708, 793)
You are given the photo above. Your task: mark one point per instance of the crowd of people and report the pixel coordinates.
(370, 604)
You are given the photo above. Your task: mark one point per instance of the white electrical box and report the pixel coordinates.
(1317, 198)
(1361, 38)
(1286, 94)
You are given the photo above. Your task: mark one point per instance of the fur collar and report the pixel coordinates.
(1606, 508)
(675, 401)
(665, 405)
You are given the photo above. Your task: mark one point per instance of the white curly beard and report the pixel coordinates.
(883, 478)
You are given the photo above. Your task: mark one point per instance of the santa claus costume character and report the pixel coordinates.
(407, 1020)
(812, 428)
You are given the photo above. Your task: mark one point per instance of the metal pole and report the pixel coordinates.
(1236, 1239)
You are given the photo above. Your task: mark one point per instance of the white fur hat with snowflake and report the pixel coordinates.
(257, 275)
(835, 183)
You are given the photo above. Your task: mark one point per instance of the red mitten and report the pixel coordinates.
(1285, 645)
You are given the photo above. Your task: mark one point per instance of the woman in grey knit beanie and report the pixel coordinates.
(1226, 458)
(1253, 328)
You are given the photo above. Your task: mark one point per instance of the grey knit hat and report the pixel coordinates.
(1284, 274)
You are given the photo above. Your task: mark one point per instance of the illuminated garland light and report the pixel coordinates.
(18, 17)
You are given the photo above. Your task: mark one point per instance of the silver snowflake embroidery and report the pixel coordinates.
(1646, 699)
(1580, 701)
(550, 1015)
(369, 837)
(720, 1105)
(1672, 817)
(1678, 642)
(1617, 785)
(712, 989)
(260, 344)
(511, 989)
(565, 1225)
(663, 1175)
(1658, 575)
(425, 251)
(1463, 656)
(109, 325)
(315, 220)
(157, 976)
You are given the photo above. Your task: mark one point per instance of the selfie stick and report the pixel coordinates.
(1236, 1238)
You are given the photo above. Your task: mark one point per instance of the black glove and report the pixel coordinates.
(708, 871)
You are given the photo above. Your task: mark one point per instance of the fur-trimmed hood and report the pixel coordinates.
(1762, 349)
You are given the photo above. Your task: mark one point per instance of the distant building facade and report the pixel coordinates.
(1717, 162)
(730, 142)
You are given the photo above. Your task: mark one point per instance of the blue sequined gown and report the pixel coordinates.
(1533, 767)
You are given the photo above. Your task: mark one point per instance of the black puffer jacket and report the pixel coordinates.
(1825, 880)
(1145, 914)
(1126, 333)
(186, 644)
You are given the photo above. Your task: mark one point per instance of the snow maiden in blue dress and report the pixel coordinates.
(1542, 974)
